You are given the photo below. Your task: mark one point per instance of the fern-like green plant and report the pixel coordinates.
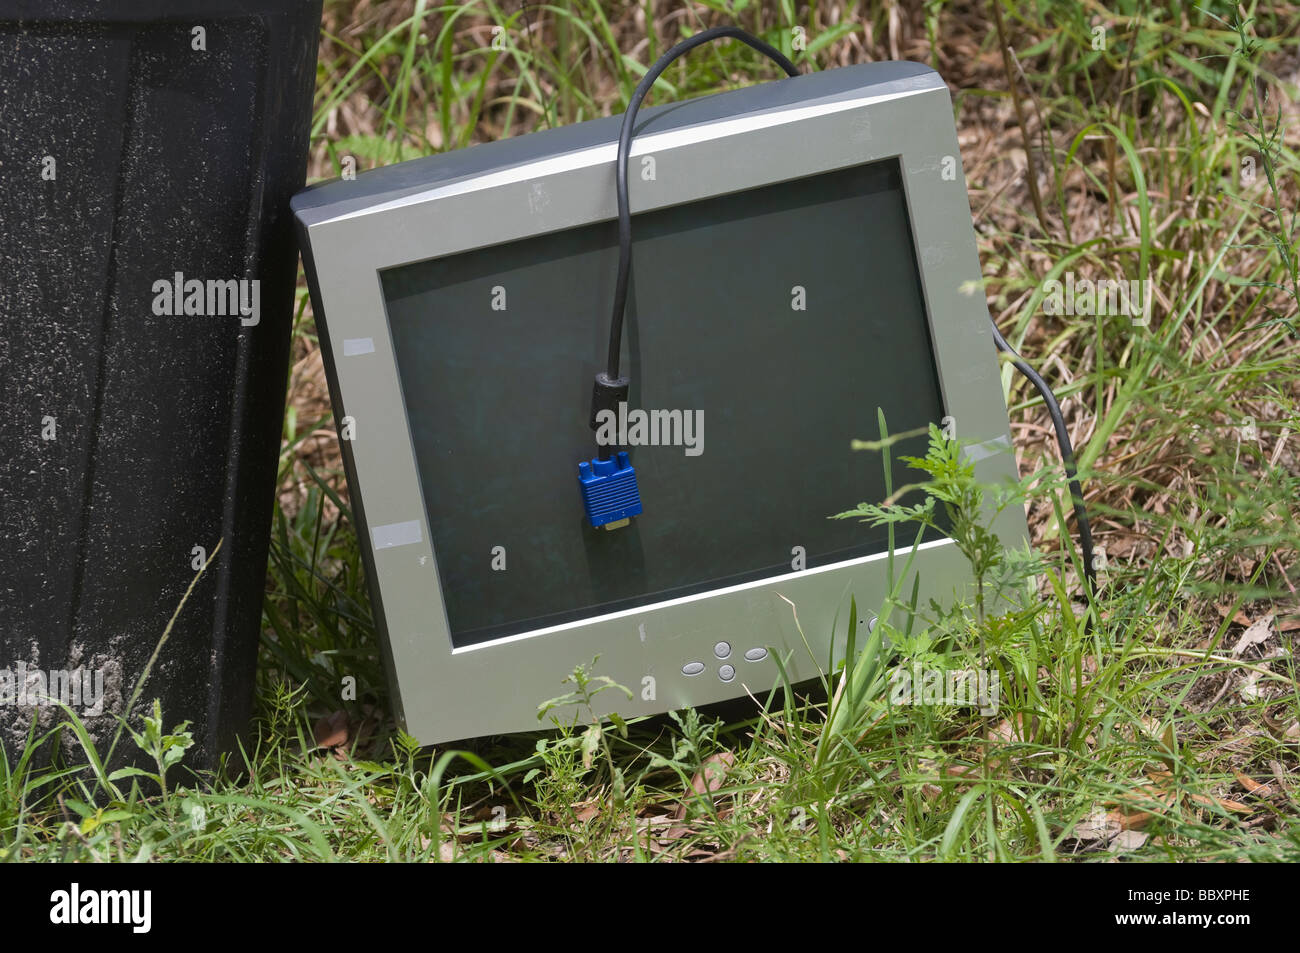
(952, 490)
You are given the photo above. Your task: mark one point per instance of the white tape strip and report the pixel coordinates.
(396, 534)
(978, 451)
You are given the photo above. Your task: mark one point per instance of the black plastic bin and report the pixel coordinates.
(142, 140)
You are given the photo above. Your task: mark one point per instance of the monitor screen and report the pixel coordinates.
(779, 317)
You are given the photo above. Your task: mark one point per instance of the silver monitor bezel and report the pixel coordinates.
(443, 693)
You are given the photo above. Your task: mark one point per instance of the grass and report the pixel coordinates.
(1147, 720)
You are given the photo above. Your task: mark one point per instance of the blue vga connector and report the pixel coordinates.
(609, 490)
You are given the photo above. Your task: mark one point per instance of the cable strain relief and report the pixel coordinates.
(606, 394)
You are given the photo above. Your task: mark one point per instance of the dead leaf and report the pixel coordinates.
(332, 730)
(1280, 775)
(1128, 840)
(1203, 799)
(1132, 820)
(1238, 617)
(1135, 810)
(1281, 729)
(1100, 825)
(1255, 633)
(1251, 785)
(1020, 727)
(709, 779)
(446, 848)
(1206, 801)
(713, 772)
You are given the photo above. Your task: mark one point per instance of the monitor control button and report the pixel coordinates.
(722, 649)
(756, 655)
(692, 668)
(726, 673)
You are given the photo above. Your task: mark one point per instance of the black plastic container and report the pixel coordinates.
(141, 140)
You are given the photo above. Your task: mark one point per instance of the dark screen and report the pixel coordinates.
(499, 398)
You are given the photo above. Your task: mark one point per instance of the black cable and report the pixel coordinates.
(1067, 454)
(625, 146)
(610, 389)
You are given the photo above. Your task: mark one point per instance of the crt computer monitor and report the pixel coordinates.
(803, 255)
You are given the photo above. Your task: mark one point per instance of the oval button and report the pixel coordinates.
(692, 668)
(756, 655)
(726, 673)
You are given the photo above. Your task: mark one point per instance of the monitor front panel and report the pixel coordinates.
(781, 317)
